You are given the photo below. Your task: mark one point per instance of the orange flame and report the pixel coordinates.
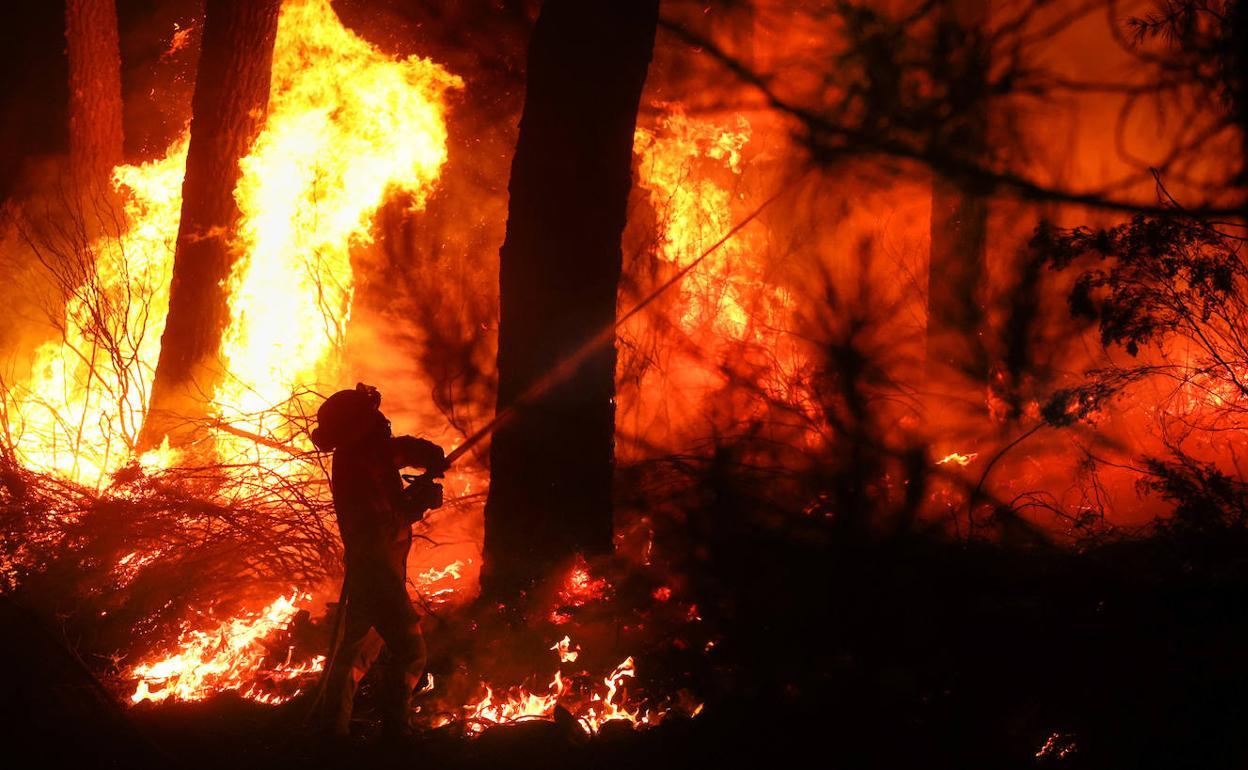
(341, 138)
(958, 459)
(428, 579)
(520, 705)
(591, 706)
(344, 134)
(682, 164)
(227, 657)
(79, 411)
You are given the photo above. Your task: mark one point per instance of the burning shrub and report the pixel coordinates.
(1173, 293)
(1164, 278)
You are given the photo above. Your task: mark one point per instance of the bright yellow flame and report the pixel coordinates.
(78, 413)
(610, 706)
(348, 128)
(454, 571)
(679, 161)
(563, 648)
(344, 134)
(958, 458)
(227, 657)
(514, 707)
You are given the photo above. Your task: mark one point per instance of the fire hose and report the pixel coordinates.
(563, 370)
(568, 366)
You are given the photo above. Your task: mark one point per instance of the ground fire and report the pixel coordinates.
(517, 382)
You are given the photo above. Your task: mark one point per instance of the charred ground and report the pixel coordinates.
(905, 653)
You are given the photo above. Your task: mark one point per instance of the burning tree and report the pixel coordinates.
(95, 123)
(231, 96)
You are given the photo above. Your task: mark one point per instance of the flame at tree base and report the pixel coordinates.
(348, 129)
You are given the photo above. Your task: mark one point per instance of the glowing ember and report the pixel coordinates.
(581, 587)
(180, 39)
(227, 657)
(957, 459)
(1058, 745)
(563, 648)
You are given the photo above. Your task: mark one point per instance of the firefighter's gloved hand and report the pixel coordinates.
(435, 496)
(411, 452)
(421, 494)
(438, 466)
(430, 498)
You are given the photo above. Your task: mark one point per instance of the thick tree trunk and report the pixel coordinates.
(1237, 73)
(956, 358)
(552, 464)
(227, 110)
(95, 132)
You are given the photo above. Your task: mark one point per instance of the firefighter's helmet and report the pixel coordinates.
(347, 416)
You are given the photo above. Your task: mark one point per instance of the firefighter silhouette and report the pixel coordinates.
(375, 513)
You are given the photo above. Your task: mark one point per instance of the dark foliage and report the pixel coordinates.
(1159, 276)
(1207, 500)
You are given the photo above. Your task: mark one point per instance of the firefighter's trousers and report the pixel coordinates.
(378, 612)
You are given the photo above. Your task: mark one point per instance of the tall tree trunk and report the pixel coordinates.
(95, 132)
(227, 110)
(1237, 86)
(956, 358)
(551, 465)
